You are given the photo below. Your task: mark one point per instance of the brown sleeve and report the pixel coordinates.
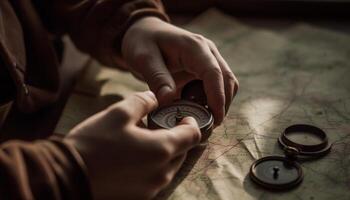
(97, 27)
(46, 169)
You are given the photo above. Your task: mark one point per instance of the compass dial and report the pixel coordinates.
(168, 116)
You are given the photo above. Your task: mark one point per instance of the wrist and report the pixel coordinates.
(85, 161)
(139, 24)
(75, 168)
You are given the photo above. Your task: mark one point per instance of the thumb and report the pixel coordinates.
(138, 105)
(156, 74)
(185, 136)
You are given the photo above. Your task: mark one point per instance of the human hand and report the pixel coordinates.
(167, 57)
(126, 161)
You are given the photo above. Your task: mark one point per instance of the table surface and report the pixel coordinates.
(42, 124)
(289, 72)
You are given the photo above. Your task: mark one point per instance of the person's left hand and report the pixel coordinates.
(167, 57)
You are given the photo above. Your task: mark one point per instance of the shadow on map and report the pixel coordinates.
(192, 158)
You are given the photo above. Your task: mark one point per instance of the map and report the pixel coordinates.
(298, 74)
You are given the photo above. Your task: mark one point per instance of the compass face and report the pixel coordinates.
(276, 172)
(166, 117)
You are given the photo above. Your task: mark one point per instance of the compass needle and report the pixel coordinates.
(179, 116)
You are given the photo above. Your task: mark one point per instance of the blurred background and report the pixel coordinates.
(285, 8)
(272, 14)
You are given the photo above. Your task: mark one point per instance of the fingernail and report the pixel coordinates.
(163, 92)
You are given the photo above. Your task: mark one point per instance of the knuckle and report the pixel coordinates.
(142, 57)
(230, 77)
(158, 75)
(236, 82)
(199, 37)
(233, 82)
(236, 86)
(192, 129)
(118, 112)
(163, 152)
(197, 134)
(159, 78)
(214, 71)
(140, 99)
(193, 136)
(149, 193)
(220, 101)
(211, 43)
(161, 180)
(166, 179)
(195, 41)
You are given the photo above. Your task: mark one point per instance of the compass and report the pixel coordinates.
(300, 142)
(309, 141)
(276, 172)
(192, 103)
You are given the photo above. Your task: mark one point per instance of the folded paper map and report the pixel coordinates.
(298, 74)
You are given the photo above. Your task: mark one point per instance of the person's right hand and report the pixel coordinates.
(125, 161)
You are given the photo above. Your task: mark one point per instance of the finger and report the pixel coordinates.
(230, 81)
(184, 136)
(176, 164)
(181, 79)
(207, 68)
(165, 174)
(150, 63)
(141, 124)
(137, 105)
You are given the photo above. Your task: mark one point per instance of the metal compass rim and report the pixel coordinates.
(286, 186)
(203, 127)
(306, 151)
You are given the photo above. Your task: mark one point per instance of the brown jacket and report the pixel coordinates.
(29, 68)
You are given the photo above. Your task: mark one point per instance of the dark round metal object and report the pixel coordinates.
(193, 103)
(291, 153)
(276, 173)
(194, 92)
(307, 151)
(168, 116)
